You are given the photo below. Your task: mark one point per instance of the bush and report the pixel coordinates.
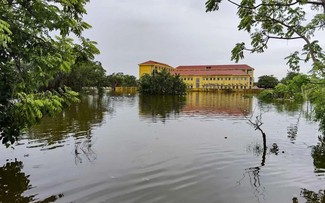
(161, 83)
(266, 95)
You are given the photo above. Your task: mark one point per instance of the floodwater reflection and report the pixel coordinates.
(208, 103)
(160, 107)
(318, 154)
(193, 148)
(312, 197)
(14, 182)
(76, 121)
(195, 103)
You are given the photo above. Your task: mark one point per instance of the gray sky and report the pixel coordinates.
(178, 32)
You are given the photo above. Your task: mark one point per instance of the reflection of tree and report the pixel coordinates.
(313, 197)
(83, 148)
(254, 181)
(318, 154)
(76, 121)
(161, 107)
(292, 131)
(253, 172)
(282, 105)
(14, 183)
(288, 106)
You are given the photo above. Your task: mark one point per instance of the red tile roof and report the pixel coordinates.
(153, 63)
(209, 72)
(215, 67)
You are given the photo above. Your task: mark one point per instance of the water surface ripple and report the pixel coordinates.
(136, 149)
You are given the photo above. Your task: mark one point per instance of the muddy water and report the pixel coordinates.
(197, 148)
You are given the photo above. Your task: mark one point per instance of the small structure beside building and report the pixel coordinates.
(207, 77)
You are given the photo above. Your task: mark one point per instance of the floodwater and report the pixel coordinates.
(146, 149)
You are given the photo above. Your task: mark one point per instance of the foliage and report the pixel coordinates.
(290, 75)
(267, 81)
(281, 91)
(266, 95)
(121, 80)
(85, 74)
(35, 51)
(161, 83)
(281, 20)
(286, 20)
(315, 91)
(292, 89)
(28, 109)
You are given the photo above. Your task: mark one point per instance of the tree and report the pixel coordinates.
(161, 83)
(290, 75)
(85, 74)
(267, 81)
(303, 20)
(267, 20)
(35, 50)
(121, 80)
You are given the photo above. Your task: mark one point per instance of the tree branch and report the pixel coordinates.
(286, 38)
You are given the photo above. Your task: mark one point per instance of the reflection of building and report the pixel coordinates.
(207, 77)
(206, 103)
(159, 107)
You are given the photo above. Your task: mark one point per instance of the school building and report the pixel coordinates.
(207, 77)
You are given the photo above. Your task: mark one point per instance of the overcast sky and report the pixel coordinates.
(179, 32)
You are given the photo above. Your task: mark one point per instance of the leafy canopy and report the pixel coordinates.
(303, 20)
(161, 83)
(121, 80)
(35, 49)
(267, 81)
(267, 20)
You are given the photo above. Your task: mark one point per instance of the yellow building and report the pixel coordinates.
(207, 77)
(215, 77)
(149, 66)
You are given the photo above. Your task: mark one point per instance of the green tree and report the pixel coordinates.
(161, 83)
(130, 81)
(281, 91)
(86, 74)
(267, 20)
(302, 20)
(121, 80)
(34, 51)
(290, 75)
(267, 81)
